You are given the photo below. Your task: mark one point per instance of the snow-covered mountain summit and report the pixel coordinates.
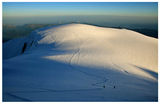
(78, 62)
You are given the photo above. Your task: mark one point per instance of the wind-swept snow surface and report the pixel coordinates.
(78, 62)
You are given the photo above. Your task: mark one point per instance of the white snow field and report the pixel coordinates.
(78, 62)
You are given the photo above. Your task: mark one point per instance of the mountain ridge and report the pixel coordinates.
(79, 56)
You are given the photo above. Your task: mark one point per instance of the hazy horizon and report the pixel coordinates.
(132, 14)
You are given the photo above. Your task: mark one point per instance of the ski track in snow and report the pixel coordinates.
(77, 53)
(18, 97)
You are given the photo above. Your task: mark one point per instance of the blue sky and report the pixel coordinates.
(81, 8)
(32, 10)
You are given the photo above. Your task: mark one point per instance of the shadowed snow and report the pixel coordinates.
(78, 62)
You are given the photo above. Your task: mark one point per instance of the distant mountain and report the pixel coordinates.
(12, 31)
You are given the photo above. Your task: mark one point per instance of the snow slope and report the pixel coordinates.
(78, 62)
